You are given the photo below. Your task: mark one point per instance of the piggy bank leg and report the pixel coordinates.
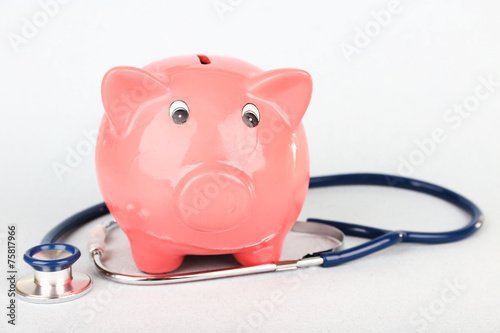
(270, 252)
(154, 256)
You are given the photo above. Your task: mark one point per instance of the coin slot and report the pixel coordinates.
(204, 60)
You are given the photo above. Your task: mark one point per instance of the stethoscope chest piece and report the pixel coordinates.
(53, 280)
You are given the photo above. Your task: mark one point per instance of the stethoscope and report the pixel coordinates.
(53, 280)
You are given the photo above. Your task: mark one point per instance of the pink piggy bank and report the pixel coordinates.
(202, 155)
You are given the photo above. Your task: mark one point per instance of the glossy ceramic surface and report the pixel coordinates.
(203, 155)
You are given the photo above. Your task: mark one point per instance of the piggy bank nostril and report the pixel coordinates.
(231, 205)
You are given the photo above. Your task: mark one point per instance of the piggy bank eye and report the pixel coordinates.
(250, 115)
(179, 112)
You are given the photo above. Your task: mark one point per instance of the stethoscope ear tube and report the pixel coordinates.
(382, 238)
(74, 221)
(331, 259)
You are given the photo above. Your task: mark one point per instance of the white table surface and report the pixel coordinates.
(369, 110)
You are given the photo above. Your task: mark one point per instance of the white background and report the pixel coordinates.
(368, 111)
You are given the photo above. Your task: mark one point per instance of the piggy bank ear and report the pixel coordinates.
(288, 89)
(125, 90)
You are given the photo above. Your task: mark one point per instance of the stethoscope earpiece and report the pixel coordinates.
(53, 280)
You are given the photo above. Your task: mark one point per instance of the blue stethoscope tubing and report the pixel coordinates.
(380, 238)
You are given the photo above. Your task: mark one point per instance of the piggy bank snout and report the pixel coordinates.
(214, 199)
